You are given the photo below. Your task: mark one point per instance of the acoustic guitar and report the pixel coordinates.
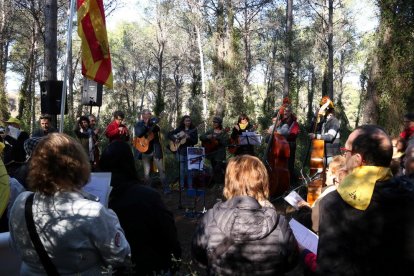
(180, 138)
(142, 143)
(212, 145)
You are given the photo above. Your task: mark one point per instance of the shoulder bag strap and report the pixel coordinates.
(40, 249)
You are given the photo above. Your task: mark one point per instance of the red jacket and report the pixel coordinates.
(115, 134)
(407, 133)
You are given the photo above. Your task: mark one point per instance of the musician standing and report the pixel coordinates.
(116, 130)
(243, 125)
(328, 129)
(143, 130)
(215, 141)
(289, 128)
(184, 136)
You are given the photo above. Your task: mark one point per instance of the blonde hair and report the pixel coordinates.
(59, 163)
(246, 176)
(337, 163)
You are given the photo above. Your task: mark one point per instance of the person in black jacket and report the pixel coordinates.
(149, 227)
(244, 235)
(146, 130)
(366, 226)
(243, 125)
(184, 136)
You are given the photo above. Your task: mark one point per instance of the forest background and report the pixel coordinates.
(222, 57)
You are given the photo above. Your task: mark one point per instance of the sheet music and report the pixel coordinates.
(100, 186)
(195, 158)
(293, 198)
(304, 236)
(250, 138)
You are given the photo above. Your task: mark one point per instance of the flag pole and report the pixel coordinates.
(68, 56)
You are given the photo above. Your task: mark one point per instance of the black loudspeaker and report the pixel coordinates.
(50, 97)
(91, 93)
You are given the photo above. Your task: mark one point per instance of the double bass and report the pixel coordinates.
(277, 161)
(317, 163)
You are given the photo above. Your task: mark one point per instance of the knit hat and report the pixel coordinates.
(30, 145)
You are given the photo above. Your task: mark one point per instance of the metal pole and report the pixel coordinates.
(68, 56)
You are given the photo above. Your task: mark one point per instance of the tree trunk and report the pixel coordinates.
(330, 51)
(219, 65)
(288, 42)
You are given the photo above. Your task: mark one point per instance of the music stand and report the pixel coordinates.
(195, 163)
(250, 138)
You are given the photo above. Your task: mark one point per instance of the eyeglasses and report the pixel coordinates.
(345, 150)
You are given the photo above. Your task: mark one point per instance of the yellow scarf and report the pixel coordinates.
(243, 126)
(358, 186)
(4, 188)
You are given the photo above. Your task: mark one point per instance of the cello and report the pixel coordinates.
(317, 164)
(276, 159)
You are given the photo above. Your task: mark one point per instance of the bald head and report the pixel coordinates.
(372, 144)
(409, 159)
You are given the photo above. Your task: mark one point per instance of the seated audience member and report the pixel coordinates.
(149, 226)
(79, 235)
(244, 235)
(367, 224)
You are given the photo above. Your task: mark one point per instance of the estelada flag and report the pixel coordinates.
(96, 59)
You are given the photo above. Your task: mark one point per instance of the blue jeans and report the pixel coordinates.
(184, 173)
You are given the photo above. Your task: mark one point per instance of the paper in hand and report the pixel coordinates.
(293, 198)
(305, 237)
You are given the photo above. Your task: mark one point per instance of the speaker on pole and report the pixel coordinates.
(51, 96)
(91, 93)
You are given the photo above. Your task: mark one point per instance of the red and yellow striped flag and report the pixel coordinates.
(96, 59)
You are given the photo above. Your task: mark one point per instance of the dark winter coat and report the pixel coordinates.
(377, 241)
(149, 227)
(140, 129)
(240, 237)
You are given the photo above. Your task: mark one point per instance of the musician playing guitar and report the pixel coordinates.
(215, 141)
(147, 141)
(185, 135)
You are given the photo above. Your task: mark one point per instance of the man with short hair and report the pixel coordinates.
(116, 130)
(45, 126)
(367, 225)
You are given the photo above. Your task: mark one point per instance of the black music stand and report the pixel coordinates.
(197, 189)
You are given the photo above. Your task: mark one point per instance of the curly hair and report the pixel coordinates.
(59, 163)
(246, 175)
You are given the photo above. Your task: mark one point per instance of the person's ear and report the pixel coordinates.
(359, 160)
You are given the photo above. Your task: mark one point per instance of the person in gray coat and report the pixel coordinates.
(244, 235)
